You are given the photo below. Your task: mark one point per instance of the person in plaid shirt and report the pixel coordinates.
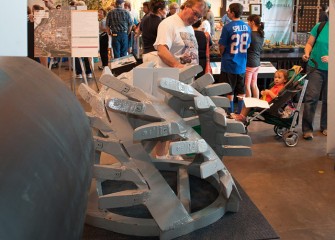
(120, 23)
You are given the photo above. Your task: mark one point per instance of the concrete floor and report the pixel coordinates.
(292, 187)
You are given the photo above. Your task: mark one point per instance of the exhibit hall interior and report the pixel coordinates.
(153, 119)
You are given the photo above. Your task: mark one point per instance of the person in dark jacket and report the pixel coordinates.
(150, 24)
(204, 41)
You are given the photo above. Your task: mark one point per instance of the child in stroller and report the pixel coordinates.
(282, 112)
(280, 78)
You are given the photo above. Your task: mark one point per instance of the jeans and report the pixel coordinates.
(120, 44)
(317, 83)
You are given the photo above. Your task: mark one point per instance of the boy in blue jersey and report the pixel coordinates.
(234, 42)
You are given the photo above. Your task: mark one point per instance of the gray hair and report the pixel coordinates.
(173, 5)
(80, 3)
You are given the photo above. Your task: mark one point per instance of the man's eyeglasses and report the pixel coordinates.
(196, 13)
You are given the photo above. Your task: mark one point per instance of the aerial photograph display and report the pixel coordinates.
(53, 34)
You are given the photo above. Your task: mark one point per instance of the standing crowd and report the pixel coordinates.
(177, 36)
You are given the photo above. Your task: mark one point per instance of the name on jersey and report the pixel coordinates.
(240, 28)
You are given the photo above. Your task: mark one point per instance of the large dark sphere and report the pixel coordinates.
(46, 154)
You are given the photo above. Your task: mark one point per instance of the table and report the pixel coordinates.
(265, 74)
(283, 60)
(280, 60)
(266, 69)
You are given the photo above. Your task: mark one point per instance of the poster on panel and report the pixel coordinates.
(52, 35)
(278, 19)
(216, 6)
(244, 3)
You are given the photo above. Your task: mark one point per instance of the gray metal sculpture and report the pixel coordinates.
(130, 122)
(46, 154)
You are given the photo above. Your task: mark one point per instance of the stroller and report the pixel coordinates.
(283, 113)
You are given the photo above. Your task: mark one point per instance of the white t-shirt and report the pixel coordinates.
(205, 26)
(180, 40)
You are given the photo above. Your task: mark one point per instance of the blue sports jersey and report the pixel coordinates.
(235, 37)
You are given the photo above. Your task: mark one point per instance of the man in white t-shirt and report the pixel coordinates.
(176, 43)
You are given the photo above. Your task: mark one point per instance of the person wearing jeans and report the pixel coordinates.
(119, 23)
(120, 44)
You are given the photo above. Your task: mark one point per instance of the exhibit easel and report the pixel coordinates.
(73, 85)
(52, 61)
(82, 38)
(71, 62)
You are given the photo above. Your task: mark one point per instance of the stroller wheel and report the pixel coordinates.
(279, 130)
(291, 139)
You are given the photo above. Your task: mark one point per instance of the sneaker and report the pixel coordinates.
(55, 65)
(79, 76)
(324, 132)
(308, 136)
(89, 75)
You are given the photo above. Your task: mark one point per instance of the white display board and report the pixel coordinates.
(13, 27)
(84, 33)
